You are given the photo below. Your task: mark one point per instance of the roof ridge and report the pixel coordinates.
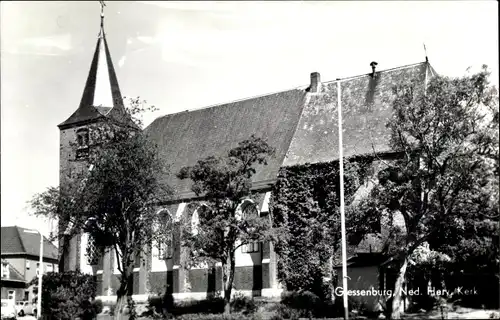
(229, 102)
(301, 87)
(381, 71)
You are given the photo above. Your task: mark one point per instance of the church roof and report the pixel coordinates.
(101, 96)
(366, 103)
(301, 125)
(186, 137)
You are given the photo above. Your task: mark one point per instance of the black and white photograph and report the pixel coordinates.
(249, 160)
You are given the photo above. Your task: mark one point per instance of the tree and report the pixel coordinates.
(447, 134)
(223, 183)
(114, 201)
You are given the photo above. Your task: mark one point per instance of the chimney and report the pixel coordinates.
(373, 64)
(315, 86)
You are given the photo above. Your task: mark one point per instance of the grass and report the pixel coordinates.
(454, 312)
(458, 313)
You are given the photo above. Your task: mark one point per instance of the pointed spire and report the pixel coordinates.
(101, 95)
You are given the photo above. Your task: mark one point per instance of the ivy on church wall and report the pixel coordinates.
(305, 205)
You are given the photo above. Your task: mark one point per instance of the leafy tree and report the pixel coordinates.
(447, 134)
(224, 182)
(114, 201)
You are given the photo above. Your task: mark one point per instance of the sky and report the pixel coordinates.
(184, 55)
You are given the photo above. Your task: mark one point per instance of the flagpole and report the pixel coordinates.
(342, 213)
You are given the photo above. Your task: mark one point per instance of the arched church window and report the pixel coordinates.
(163, 246)
(195, 219)
(195, 222)
(249, 211)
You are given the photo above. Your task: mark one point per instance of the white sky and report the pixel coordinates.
(184, 55)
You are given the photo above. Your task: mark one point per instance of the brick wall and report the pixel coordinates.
(69, 166)
(248, 278)
(252, 274)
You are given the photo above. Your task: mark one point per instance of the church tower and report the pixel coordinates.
(101, 101)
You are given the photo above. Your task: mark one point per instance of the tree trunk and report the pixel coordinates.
(122, 293)
(121, 302)
(397, 297)
(228, 277)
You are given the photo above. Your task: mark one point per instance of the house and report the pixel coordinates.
(21, 261)
(13, 283)
(300, 123)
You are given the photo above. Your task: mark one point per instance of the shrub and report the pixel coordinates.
(337, 309)
(305, 301)
(160, 304)
(66, 294)
(98, 306)
(286, 312)
(210, 305)
(155, 304)
(244, 304)
(233, 316)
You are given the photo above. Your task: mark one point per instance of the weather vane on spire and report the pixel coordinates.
(101, 32)
(102, 9)
(426, 57)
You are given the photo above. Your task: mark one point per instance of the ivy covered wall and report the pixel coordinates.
(305, 205)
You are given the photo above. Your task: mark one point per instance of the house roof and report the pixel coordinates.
(364, 260)
(337, 255)
(369, 251)
(15, 240)
(14, 274)
(184, 138)
(371, 243)
(101, 96)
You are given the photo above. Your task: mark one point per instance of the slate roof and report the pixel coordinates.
(91, 109)
(366, 107)
(371, 243)
(302, 126)
(14, 274)
(16, 241)
(186, 137)
(364, 260)
(337, 255)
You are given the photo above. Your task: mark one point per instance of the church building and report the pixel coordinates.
(300, 123)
